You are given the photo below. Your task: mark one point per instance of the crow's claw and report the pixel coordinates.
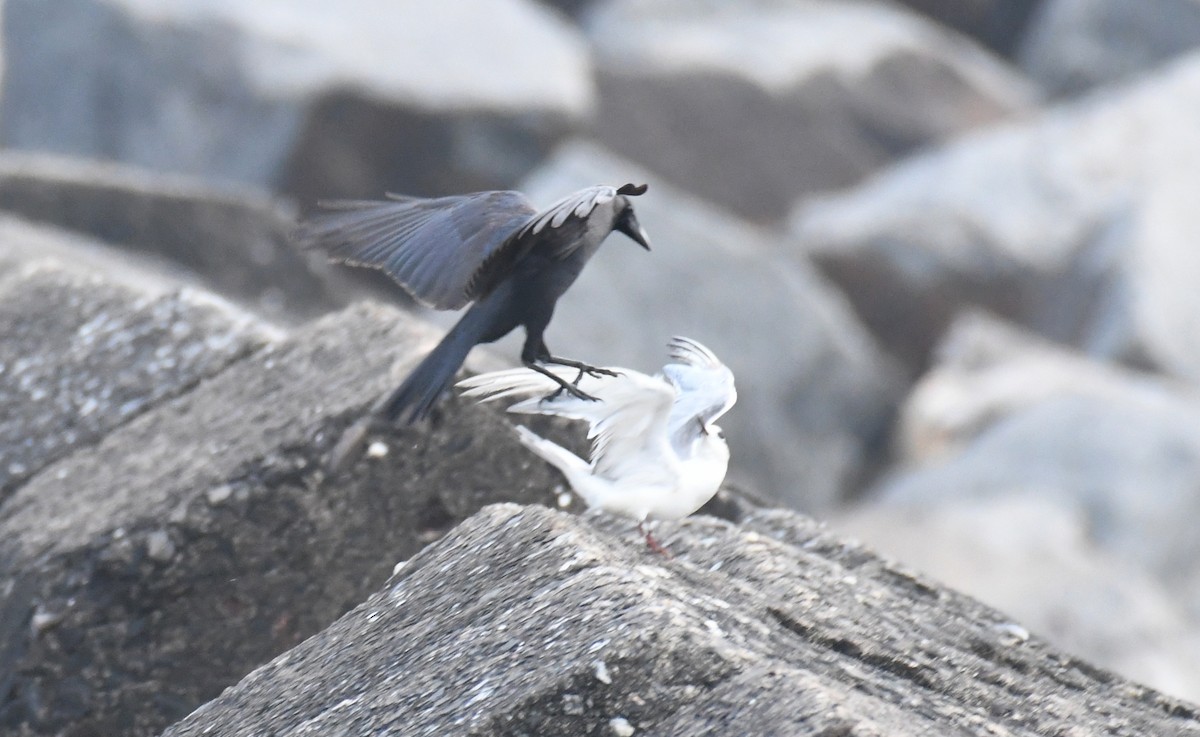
(571, 389)
(595, 372)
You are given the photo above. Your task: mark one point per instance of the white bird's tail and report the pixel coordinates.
(571, 465)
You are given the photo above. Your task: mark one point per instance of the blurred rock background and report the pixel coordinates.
(948, 247)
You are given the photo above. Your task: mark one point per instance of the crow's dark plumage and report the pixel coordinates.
(492, 250)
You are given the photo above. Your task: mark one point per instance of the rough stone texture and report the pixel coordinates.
(1118, 450)
(987, 369)
(813, 390)
(1076, 223)
(998, 23)
(81, 355)
(1074, 45)
(316, 98)
(527, 621)
(235, 240)
(144, 573)
(752, 104)
(1031, 558)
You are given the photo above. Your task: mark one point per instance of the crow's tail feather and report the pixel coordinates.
(413, 399)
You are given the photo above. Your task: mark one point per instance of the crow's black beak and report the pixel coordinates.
(629, 225)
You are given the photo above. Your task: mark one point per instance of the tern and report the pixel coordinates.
(656, 452)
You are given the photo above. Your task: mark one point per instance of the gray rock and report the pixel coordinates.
(1119, 451)
(750, 105)
(235, 240)
(813, 389)
(1030, 557)
(1074, 45)
(988, 369)
(148, 570)
(526, 621)
(1072, 223)
(999, 24)
(80, 356)
(315, 99)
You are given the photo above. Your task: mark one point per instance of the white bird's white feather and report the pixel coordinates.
(655, 452)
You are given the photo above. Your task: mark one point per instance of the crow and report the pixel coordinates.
(493, 250)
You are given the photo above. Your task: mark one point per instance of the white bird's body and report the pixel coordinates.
(656, 453)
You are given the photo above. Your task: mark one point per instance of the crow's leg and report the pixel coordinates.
(584, 368)
(563, 384)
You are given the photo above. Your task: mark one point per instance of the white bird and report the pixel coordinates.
(656, 453)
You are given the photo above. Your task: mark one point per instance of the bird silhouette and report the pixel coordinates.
(656, 453)
(492, 250)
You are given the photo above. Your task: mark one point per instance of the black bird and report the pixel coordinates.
(492, 249)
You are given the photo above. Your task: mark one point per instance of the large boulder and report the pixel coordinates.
(814, 391)
(1074, 45)
(1032, 558)
(233, 239)
(81, 354)
(313, 98)
(529, 621)
(752, 104)
(1116, 450)
(181, 528)
(999, 24)
(1076, 223)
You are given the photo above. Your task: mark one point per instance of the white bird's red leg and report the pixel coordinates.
(651, 542)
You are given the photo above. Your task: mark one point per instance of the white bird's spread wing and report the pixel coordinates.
(628, 426)
(705, 387)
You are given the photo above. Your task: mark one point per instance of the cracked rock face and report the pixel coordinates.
(528, 621)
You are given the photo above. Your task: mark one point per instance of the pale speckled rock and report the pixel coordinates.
(80, 355)
(1072, 46)
(987, 369)
(813, 389)
(1074, 223)
(1006, 416)
(313, 97)
(234, 240)
(769, 629)
(203, 537)
(1031, 558)
(753, 104)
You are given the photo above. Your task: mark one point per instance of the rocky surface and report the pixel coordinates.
(234, 240)
(527, 621)
(814, 391)
(1000, 24)
(81, 355)
(312, 98)
(166, 522)
(751, 105)
(160, 556)
(1072, 223)
(1072, 46)
(1034, 558)
(1054, 487)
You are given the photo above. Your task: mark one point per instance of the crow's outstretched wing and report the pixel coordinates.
(442, 250)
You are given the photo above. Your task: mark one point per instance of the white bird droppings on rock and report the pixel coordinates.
(219, 494)
(1011, 633)
(377, 449)
(159, 546)
(621, 727)
(602, 673)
